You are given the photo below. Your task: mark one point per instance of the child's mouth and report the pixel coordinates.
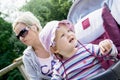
(71, 40)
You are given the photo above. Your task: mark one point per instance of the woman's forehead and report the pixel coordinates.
(19, 27)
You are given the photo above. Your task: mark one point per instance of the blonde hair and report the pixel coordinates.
(28, 19)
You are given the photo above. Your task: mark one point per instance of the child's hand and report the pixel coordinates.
(105, 46)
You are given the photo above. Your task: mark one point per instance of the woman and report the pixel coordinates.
(38, 62)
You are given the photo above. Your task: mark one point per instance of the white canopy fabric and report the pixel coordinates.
(81, 8)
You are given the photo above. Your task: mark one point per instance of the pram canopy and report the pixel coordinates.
(105, 25)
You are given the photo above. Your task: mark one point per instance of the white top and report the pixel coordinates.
(46, 64)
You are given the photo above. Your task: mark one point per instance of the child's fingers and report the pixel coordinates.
(102, 49)
(105, 46)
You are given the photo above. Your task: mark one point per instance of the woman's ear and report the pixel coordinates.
(53, 49)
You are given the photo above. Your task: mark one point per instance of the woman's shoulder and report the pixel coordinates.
(28, 52)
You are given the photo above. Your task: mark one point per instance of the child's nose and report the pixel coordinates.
(68, 35)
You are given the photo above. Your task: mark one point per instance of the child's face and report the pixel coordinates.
(65, 40)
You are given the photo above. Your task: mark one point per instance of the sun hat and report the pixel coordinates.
(47, 35)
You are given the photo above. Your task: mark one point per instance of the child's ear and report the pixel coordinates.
(53, 49)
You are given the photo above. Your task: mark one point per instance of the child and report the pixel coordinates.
(76, 61)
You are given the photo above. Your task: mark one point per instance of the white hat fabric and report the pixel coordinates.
(47, 34)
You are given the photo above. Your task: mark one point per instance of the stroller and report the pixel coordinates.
(98, 20)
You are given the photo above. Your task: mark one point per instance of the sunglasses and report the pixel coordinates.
(22, 33)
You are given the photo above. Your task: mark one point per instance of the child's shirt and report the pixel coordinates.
(82, 65)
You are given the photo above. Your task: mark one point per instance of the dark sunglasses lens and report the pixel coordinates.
(18, 36)
(22, 33)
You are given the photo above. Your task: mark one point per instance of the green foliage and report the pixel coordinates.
(47, 10)
(59, 9)
(12, 75)
(10, 48)
(38, 8)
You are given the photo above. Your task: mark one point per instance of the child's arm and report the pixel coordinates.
(107, 47)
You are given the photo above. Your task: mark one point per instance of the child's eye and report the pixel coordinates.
(69, 30)
(62, 35)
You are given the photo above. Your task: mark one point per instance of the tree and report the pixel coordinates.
(47, 10)
(10, 48)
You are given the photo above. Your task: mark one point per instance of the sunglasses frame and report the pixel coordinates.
(22, 33)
